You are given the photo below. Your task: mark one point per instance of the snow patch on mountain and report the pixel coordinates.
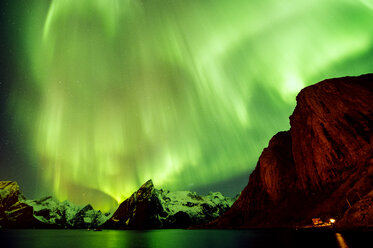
(198, 208)
(65, 214)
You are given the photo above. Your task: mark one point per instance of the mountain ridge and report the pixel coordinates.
(148, 207)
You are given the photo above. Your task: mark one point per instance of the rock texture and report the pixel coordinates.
(322, 167)
(150, 208)
(14, 213)
(138, 211)
(360, 214)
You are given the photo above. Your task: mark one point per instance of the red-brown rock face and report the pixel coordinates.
(331, 130)
(322, 167)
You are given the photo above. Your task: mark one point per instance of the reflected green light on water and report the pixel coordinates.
(180, 238)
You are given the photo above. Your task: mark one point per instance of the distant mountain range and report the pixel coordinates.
(18, 212)
(146, 208)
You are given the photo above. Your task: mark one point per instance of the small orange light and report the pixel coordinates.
(332, 221)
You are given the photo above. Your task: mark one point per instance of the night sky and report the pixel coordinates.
(98, 96)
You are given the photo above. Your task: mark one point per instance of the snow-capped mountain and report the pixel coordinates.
(146, 208)
(65, 214)
(18, 212)
(152, 208)
(200, 209)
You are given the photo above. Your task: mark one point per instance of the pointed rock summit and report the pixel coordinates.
(138, 211)
(150, 208)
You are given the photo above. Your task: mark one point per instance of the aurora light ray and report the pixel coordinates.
(187, 93)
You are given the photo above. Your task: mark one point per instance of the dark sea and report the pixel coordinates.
(180, 238)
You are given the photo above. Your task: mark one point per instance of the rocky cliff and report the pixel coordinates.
(322, 167)
(150, 208)
(14, 213)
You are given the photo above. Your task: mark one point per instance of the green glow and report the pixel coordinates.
(184, 92)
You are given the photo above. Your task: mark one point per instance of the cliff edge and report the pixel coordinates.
(321, 168)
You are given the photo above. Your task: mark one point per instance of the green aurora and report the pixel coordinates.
(187, 93)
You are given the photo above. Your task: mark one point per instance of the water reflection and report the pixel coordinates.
(341, 241)
(177, 238)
